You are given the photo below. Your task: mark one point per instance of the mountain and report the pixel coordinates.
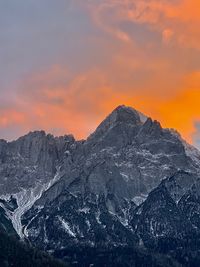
(131, 183)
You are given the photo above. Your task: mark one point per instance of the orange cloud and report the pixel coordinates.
(10, 117)
(180, 19)
(182, 112)
(167, 36)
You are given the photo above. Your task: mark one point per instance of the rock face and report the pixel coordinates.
(28, 167)
(131, 182)
(31, 159)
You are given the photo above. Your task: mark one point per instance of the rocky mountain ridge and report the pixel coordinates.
(129, 183)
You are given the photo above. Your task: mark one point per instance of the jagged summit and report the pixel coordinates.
(42, 134)
(125, 114)
(122, 117)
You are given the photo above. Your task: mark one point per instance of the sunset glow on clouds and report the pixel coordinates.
(66, 64)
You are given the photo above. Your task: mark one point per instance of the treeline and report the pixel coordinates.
(115, 257)
(18, 254)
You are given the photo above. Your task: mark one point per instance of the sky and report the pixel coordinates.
(66, 64)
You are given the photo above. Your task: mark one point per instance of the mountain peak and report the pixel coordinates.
(121, 115)
(128, 114)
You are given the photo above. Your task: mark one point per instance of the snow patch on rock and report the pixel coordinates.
(138, 200)
(66, 227)
(25, 200)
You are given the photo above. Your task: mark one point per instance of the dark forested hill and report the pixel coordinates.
(17, 254)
